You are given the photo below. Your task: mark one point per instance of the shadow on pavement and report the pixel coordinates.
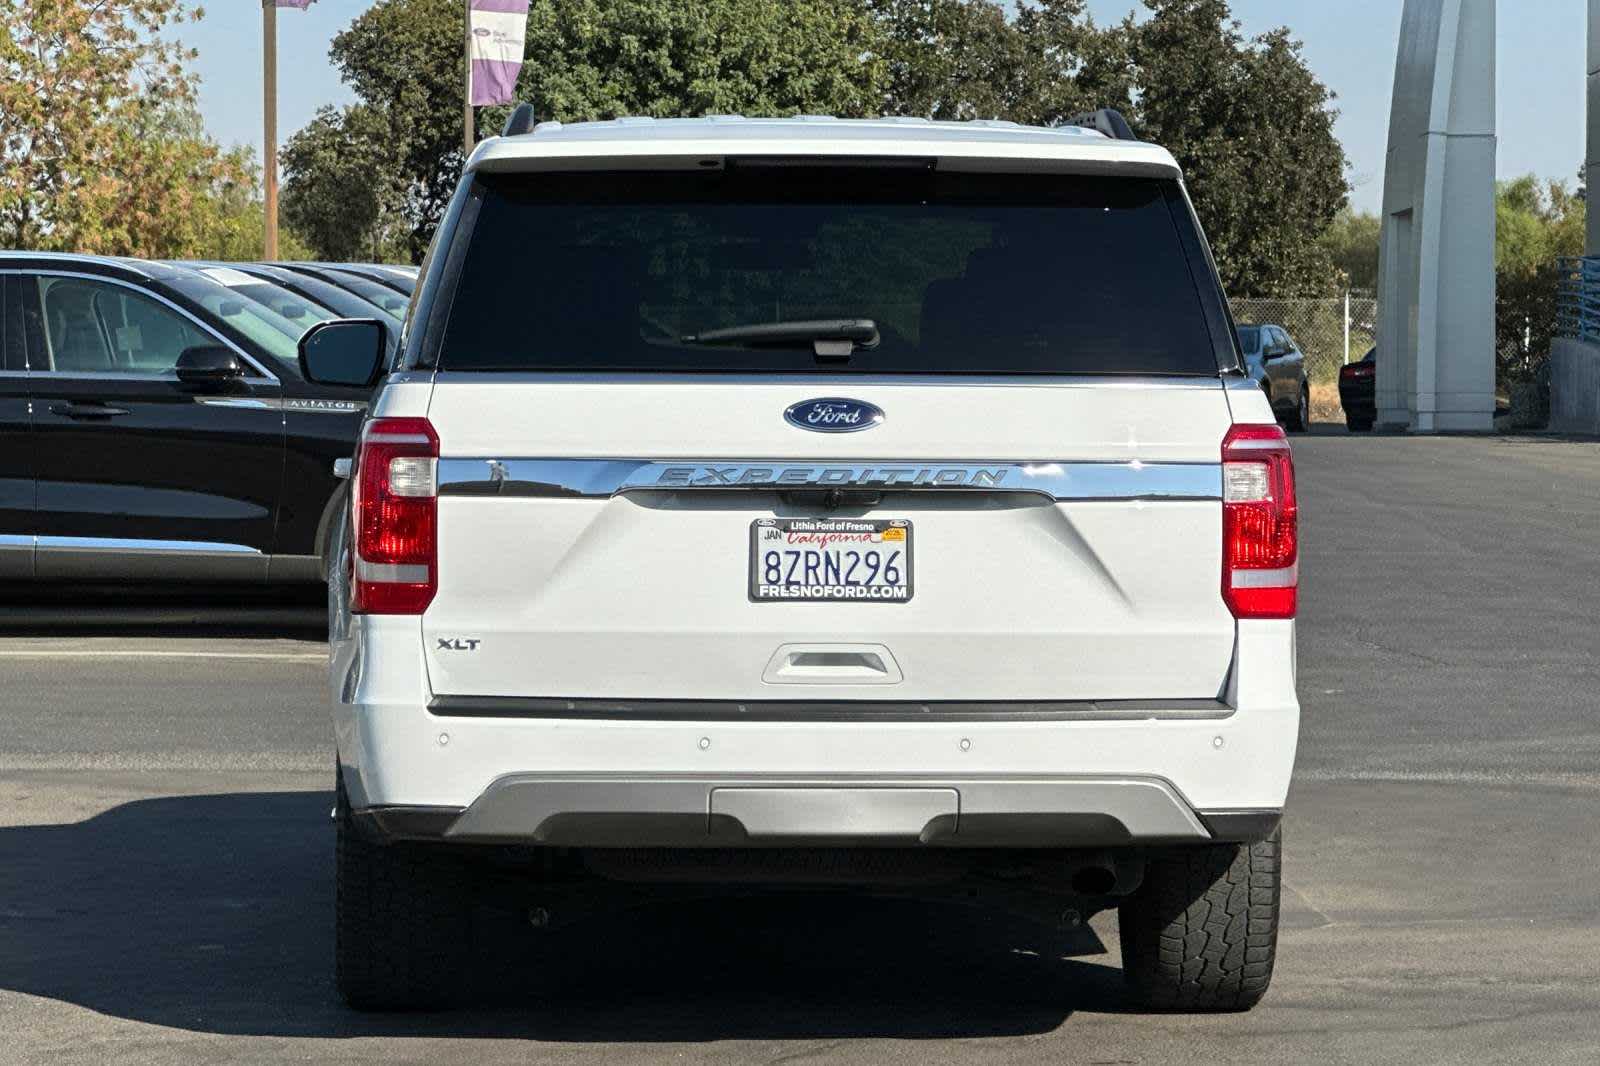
(298, 613)
(214, 914)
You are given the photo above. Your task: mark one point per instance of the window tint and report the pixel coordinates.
(272, 332)
(76, 325)
(340, 303)
(963, 273)
(392, 303)
(277, 299)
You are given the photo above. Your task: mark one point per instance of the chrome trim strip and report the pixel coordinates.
(603, 478)
(145, 547)
(823, 710)
(199, 323)
(288, 403)
(813, 381)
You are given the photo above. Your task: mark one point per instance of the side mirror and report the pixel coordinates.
(209, 364)
(343, 351)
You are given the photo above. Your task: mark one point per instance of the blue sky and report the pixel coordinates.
(1349, 43)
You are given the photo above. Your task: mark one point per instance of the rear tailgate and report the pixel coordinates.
(561, 575)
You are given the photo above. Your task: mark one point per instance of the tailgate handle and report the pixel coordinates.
(832, 664)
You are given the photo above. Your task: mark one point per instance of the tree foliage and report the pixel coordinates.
(1253, 130)
(587, 59)
(340, 192)
(1535, 223)
(1250, 123)
(101, 149)
(1351, 244)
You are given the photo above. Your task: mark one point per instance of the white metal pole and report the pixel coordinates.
(1347, 325)
(466, 103)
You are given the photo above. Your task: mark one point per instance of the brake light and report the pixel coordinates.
(1356, 370)
(395, 515)
(1260, 550)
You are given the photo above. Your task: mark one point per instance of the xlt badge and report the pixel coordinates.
(457, 643)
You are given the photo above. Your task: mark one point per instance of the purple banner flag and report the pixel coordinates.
(498, 28)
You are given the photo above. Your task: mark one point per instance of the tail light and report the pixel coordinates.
(395, 515)
(1260, 550)
(1356, 370)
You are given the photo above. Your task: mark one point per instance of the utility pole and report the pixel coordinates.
(466, 99)
(269, 150)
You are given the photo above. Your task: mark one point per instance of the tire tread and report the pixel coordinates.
(402, 923)
(1201, 933)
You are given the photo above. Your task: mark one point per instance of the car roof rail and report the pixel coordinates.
(521, 121)
(1107, 120)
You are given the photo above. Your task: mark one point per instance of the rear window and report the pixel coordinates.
(959, 273)
(1249, 338)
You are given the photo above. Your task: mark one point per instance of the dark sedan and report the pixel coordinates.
(154, 426)
(1358, 392)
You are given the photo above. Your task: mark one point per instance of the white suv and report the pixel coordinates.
(815, 501)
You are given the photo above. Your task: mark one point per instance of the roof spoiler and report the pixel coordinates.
(1107, 120)
(521, 121)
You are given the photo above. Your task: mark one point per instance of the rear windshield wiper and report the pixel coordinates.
(826, 337)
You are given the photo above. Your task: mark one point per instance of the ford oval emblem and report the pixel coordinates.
(833, 414)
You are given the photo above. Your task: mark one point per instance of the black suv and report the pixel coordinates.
(154, 426)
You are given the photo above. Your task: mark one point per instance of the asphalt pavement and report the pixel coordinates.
(165, 849)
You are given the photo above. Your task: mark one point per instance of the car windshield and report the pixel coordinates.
(284, 303)
(341, 303)
(374, 292)
(955, 272)
(271, 331)
(275, 298)
(1249, 338)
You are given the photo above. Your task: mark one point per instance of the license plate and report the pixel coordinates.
(851, 560)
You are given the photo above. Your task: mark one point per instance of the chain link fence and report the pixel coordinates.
(1331, 331)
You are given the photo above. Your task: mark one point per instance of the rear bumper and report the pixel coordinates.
(668, 810)
(586, 772)
(1359, 402)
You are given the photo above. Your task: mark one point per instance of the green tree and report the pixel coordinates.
(1535, 224)
(1253, 129)
(587, 59)
(1351, 243)
(101, 149)
(951, 59)
(1248, 121)
(342, 190)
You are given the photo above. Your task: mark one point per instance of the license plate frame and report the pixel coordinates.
(855, 535)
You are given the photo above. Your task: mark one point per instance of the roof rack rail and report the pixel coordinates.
(521, 121)
(1108, 121)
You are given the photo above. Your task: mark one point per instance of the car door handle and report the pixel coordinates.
(90, 410)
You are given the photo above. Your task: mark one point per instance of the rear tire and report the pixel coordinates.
(403, 922)
(1299, 420)
(1201, 932)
